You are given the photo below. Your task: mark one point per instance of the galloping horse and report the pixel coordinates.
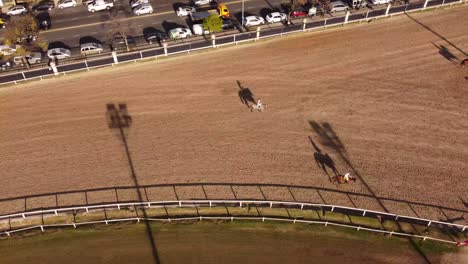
(341, 179)
(464, 63)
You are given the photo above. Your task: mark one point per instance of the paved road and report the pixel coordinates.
(69, 25)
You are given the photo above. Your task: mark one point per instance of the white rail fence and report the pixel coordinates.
(234, 203)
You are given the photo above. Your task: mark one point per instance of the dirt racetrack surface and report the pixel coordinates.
(385, 101)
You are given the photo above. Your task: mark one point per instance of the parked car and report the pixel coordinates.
(135, 3)
(17, 10)
(91, 48)
(299, 12)
(276, 17)
(66, 4)
(185, 11)
(253, 21)
(43, 20)
(100, 5)
(338, 6)
(31, 58)
(143, 9)
(179, 33)
(58, 53)
(228, 24)
(201, 2)
(5, 65)
(380, 2)
(118, 42)
(155, 36)
(7, 50)
(44, 6)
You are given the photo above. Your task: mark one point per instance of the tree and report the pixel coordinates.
(24, 33)
(213, 23)
(292, 5)
(117, 34)
(325, 5)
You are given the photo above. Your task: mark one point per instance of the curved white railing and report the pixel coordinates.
(239, 203)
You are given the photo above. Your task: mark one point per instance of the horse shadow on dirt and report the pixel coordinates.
(245, 95)
(323, 160)
(445, 52)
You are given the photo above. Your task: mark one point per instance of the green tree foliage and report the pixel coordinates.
(213, 23)
(24, 33)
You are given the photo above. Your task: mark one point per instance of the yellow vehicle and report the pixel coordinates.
(3, 22)
(223, 10)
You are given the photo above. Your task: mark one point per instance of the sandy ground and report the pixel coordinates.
(382, 100)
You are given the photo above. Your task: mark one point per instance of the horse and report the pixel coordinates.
(341, 179)
(464, 63)
(257, 107)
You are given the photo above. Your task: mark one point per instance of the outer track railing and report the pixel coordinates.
(238, 203)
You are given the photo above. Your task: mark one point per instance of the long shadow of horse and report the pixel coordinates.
(245, 95)
(323, 160)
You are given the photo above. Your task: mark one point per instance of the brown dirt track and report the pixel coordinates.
(397, 107)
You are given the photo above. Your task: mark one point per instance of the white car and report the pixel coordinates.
(276, 17)
(253, 21)
(338, 6)
(32, 58)
(143, 9)
(7, 50)
(201, 2)
(58, 53)
(380, 2)
(17, 10)
(179, 33)
(135, 3)
(185, 11)
(66, 3)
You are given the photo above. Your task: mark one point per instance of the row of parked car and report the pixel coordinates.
(139, 7)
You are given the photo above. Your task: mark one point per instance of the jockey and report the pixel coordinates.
(259, 104)
(346, 177)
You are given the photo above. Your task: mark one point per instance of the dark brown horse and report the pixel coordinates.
(464, 63)
(341, 179)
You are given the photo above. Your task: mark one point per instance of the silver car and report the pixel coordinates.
(32, 58)
(58, 53)
(201, 2)
(338, 6)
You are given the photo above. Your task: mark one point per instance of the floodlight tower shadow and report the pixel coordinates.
(120, 119)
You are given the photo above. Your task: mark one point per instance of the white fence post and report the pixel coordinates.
(430, 222)
(114, 55)
(325, 23)
(24, 216)
(86, 63)
(141, 55)
(213, 40)
(24, 76)
(54, 68)
(367, 14)
(42, 228)
(389, 5)
(258, 33)
(346, 17)
(425, 4)
(235, 39)
(304, 25)
(165, 47)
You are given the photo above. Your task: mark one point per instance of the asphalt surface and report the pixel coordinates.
(69, 25)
